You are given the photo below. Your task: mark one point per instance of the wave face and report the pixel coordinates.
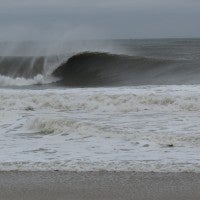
(103, 69)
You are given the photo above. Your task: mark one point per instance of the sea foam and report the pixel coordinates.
(142, 128)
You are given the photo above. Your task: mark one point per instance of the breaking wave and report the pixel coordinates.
(37, 80)
(23, 71)
(103, 69)
(93, 69)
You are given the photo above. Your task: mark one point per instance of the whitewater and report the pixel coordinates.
(102, 110)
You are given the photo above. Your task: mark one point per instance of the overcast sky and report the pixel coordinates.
(85, 19)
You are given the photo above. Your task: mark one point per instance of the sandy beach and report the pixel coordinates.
(99, 185)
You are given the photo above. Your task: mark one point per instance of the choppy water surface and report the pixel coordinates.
(131, 110)
(139, 128)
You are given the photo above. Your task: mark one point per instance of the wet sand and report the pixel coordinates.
(99, 186)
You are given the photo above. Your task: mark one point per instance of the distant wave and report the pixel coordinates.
(88, 69)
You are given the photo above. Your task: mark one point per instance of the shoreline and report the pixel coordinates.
(99, 185)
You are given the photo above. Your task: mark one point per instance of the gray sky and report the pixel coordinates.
(85, 19)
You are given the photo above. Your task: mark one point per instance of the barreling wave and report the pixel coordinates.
(88, 69)
(104, 69)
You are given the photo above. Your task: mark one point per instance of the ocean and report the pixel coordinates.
(130, 105)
